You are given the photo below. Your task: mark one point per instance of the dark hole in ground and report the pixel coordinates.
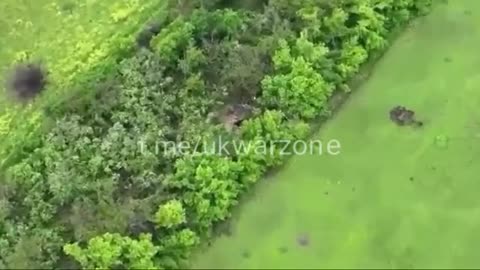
(27, 81)
(283, 250)
(326, 193)
(411, 178)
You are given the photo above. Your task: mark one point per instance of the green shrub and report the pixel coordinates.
(170, 214)
(298, 89)
(115, 251)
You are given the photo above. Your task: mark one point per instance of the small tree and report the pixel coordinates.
(170, 214)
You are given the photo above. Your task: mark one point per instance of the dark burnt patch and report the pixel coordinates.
(26, 81)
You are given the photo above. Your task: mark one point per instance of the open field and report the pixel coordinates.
(396, 197)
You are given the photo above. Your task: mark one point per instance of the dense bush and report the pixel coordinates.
(102, 186)
(297, 88)
(114, 251)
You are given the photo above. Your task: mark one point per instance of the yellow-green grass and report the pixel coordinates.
(71, 39)
(395, 197)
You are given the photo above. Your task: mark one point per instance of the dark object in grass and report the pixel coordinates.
(145, 36)
(283, 250)
(468, 12)
(246, 254)
(303, 240)
(27, 81)
(403, 116)
(411, 178)
(447, 59)
(326, 193)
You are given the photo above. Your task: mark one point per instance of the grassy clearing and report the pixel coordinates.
(66, 35)
(70, 38)
(396, 197)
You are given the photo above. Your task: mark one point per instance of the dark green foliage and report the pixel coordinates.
(238, 68)
(106, 176)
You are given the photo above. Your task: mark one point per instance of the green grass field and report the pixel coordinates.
(396, 197)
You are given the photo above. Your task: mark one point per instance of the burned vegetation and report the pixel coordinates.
(26, 81)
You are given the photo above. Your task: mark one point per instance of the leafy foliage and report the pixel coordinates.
(114, 251)
(170, 214)
(298, 90)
